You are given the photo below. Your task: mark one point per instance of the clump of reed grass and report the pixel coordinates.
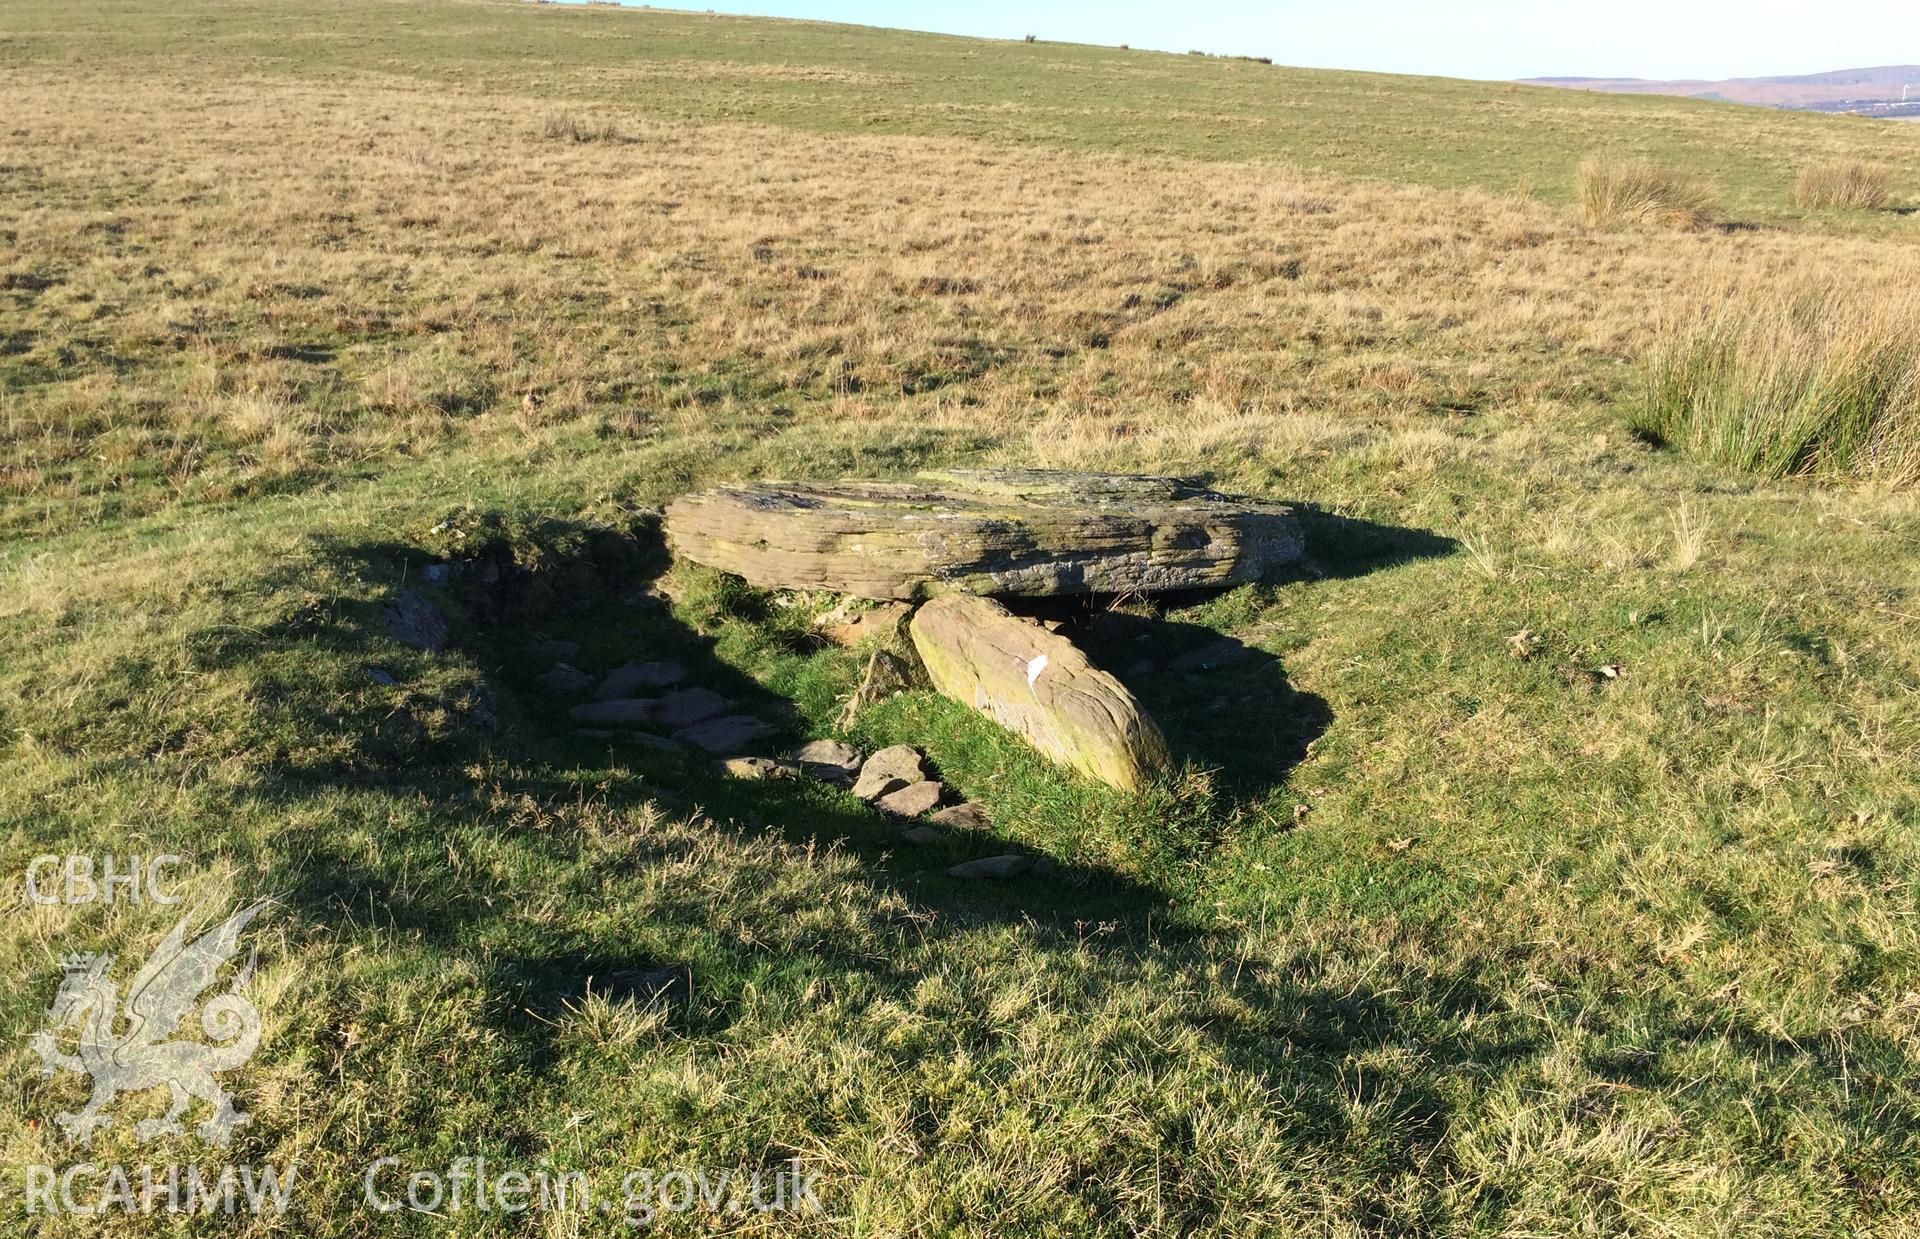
(1822, 383)
(1845, 183)
(1638, 191)
(565, 127)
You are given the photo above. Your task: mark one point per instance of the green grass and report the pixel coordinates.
(1548, 869)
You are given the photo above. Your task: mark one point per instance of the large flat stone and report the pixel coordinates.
(1040, 686)
(985, 531)
(726, 734)
(687, 706)
(622, 711)
(622, 681)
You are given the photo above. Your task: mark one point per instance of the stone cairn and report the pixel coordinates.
(934, 554)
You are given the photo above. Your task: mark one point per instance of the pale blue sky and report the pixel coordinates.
(1466, 38)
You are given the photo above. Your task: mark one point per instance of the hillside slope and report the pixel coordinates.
(1840, 89)
(673, 66)
(1540, 858)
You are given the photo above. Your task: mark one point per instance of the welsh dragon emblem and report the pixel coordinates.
(145, 1054)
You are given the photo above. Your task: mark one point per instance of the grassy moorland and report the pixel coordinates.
(1549, 868)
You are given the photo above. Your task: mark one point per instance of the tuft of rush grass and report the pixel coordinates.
(1845, 183)
(1638, 191)
(1824, 383)
(566, 127)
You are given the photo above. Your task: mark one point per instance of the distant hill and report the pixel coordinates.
(1876, 91)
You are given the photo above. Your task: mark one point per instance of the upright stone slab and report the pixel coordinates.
(1039, 685)
(1028, 532)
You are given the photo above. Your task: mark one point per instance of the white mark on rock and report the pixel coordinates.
(1034, 669)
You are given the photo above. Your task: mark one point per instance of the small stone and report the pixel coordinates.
(380, 675)
(968, 816)
(690, 706)
(411, 620)
(435, 574)
(622, 712)
(922, 835)
(913, 799)
(889, 770)
(901, 761)
(621, 681)
(725, 734)
(872, 789)
(756, 768)
(1008, 866)
(558, 649)
(563, 680)
(881, 623)
(829, 760)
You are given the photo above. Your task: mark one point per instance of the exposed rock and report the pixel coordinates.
(985, 531)
(1041, 686)
(380, 675)
(411, 620)
(725, 734)
(829, 760)
(922, 834)
(967, 816)
(622, 681)
(883, 623)
(874, 787)
(689, 706)
(647, 740)
(887, 674)
(621, 712)
(913, 799)
(1009, 866)
(756, 768)
(889, 770)
(563, 681)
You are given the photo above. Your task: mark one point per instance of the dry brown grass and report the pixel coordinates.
(1638, 191)
(1845, 183)
(406, 266)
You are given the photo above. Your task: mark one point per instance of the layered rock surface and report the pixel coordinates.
(1026, 532)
